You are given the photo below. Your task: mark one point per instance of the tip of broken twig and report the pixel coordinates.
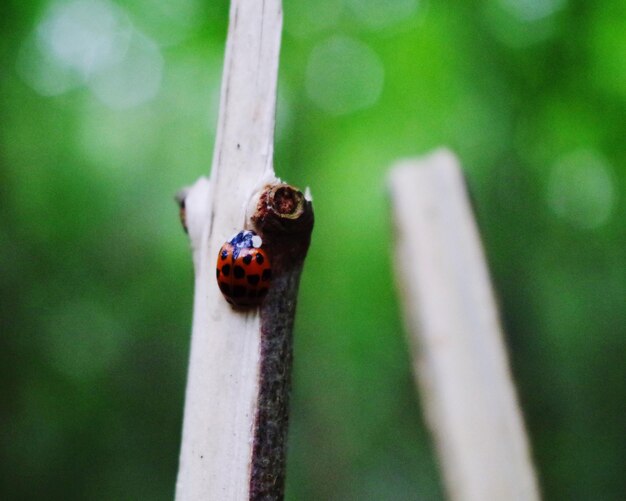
(180, 197)
(282, 210)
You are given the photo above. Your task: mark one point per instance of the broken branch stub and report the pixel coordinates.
(284, 218)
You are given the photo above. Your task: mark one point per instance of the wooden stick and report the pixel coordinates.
(235, 419)
(459, 357)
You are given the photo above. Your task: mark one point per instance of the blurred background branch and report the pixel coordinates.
(459, 357)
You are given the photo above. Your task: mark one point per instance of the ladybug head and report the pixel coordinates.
(245, 240)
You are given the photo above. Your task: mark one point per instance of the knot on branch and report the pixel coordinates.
(284, 217)
(283, 210)
(180, 200)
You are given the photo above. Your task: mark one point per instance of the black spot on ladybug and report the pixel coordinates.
(239, 291)
(238, 271)
(260, 258)
(226, 270)
(217, 270)
(225, 288)
(247, 259)
(224, 254)
(253, 279)
(267, 274)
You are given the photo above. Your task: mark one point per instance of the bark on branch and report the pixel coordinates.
(235, 419)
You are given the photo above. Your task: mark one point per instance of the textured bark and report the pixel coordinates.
(285, 218)
(236, 406)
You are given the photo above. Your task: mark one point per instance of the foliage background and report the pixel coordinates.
(108, 108)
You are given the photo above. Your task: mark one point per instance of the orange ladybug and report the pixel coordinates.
(243, 269)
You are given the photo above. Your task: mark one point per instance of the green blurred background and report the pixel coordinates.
(108, 108)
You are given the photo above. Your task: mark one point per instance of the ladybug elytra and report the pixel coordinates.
(243, 269)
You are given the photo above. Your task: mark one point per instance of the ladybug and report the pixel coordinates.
(243, 269)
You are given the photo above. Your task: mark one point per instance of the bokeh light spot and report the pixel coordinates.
(523, 23)
(581, 189)
(380, 14)
(93, 42)
(85, 35)
(133, 80)
(170, 22)
(304, 18)
(344, 75)
(83, 340)
(41, 73)
(532, 10)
